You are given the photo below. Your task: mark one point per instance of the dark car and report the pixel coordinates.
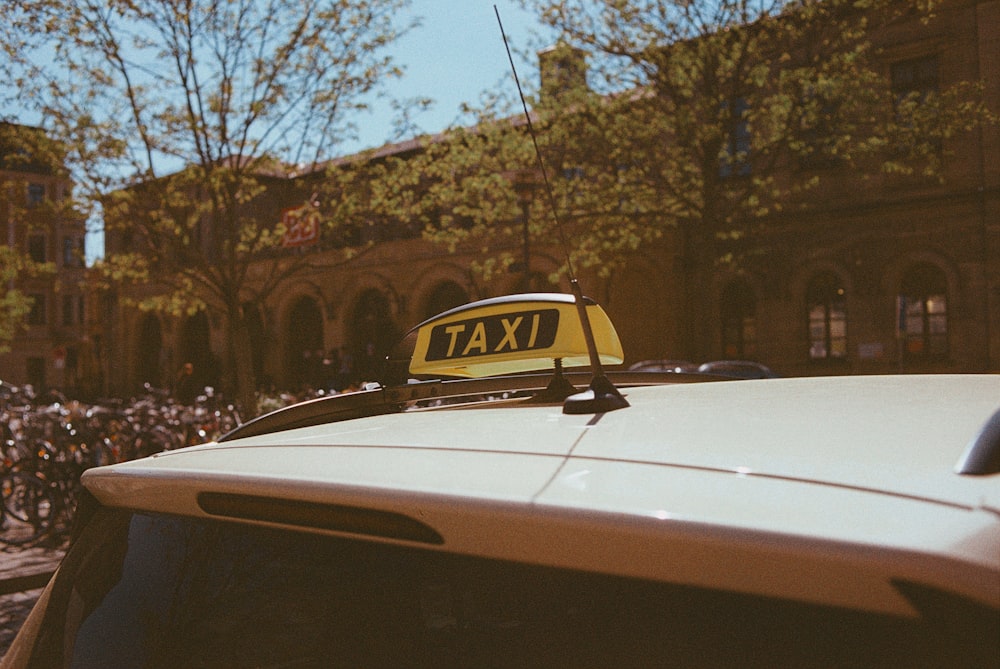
(742, 369)
(679, 366)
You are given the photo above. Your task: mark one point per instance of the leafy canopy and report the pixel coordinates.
(709, 118)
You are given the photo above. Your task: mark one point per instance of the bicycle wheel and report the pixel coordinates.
(28, 508)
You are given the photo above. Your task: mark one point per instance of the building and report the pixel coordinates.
(40, 224)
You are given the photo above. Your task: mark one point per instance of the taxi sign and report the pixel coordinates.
(510, 334)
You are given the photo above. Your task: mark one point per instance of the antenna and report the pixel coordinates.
(602, 395)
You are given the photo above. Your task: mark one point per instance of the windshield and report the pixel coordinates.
(141, 590)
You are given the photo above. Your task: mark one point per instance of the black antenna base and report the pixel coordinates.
(559, 388)
(600, 397)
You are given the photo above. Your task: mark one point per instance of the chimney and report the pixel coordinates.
(563, 69)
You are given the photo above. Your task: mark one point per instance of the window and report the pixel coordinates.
(827, 314)
(72, 252)
(143, 590)
(37, 315)
(36, 194)
(913, 82)
(819, 131)
(923, 312)
(72, 309)
(739, 321)
(36, 247)
(917, 76)
(735, 158)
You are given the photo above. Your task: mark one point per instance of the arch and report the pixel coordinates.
(443, 296)
(894, 272)
(371, 332)
(738, 316)
(194, 346)
(802, 274)
(149, 352)
(303, 343)
(356, 289)
(543, 266)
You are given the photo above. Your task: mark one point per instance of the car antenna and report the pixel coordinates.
(601, 395)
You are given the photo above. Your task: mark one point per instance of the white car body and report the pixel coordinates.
(816, 489)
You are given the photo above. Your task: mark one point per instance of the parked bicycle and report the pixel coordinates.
(47, 443)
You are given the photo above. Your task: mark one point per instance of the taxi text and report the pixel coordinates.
(494, 334)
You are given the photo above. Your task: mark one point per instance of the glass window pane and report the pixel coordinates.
(827, 317)
(154, 591)
(937, 325)
(926, 315)
(936, 304)
(838, 328)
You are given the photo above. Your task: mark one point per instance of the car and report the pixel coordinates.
(471, 511)
(742, 369)
(677, 366)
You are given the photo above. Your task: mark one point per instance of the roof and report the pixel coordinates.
(849, 478)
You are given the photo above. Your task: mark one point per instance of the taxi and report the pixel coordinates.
(500, 500)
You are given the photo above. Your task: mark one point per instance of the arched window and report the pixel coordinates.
(827, 312)
(195, 347)
(150, 349)
(739, 321)
(923, 312)
(303, 343)
(446, 295)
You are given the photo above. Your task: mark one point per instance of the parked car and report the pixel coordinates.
(552, 519)
(678, 366)
(743, 369)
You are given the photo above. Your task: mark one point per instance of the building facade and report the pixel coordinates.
(34, 193)
(889, 274)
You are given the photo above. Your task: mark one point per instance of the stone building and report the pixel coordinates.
(34, 193)
(887, 275)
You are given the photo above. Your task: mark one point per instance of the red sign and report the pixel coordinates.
(301, 225)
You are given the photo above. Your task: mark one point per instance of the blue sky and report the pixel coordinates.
(453, 57)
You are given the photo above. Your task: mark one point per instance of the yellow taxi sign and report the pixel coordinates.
(514, 333)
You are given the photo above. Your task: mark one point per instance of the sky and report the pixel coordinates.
(456, 54)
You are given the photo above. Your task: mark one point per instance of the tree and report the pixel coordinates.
(24, 151)
(14, 304)
(704, 120)
(187, 121)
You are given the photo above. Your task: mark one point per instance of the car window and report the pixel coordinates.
(144, 590)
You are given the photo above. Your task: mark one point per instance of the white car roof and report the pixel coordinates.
(831, 490)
